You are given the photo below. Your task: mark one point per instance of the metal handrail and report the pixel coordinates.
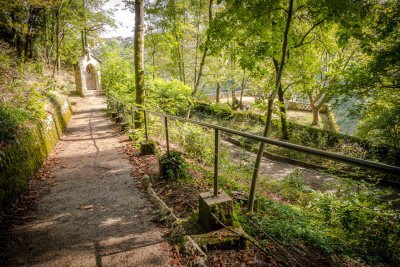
(329, 155)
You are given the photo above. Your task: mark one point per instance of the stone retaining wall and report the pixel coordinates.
(306, 107)
(20, 160)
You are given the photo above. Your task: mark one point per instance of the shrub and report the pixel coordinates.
(11, 121)
(172, 166)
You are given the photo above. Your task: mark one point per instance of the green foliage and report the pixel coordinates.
(11, 121)
(173, 166)
(381, 123)
(118, 79)
(172, 97)
(4, 62)
(356, 222)
(194, 140)
(117, 72)
(302, 135)
(290, 226)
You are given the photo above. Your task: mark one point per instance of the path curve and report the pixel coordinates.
(90, 213)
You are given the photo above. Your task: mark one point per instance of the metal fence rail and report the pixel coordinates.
(320, 153)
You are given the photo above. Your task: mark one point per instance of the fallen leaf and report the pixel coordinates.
(86, 207)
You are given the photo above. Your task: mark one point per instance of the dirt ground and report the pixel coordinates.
(84, 208)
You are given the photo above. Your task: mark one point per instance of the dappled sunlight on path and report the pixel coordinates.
(90, 212)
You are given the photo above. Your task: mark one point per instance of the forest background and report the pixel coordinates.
(345, 53)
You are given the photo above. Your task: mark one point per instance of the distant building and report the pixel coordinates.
(87, 74)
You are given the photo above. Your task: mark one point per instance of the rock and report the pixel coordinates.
(220, 206)
(192, 248)
(177, 233)
(147, 148)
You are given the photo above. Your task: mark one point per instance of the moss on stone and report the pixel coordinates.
(147, 148)
(222, 239)
(20, 160)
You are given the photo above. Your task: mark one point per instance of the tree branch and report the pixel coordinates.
(305, 35)
(287, 87)
(322, 101)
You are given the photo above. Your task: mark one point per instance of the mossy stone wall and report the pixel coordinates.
(20, 160)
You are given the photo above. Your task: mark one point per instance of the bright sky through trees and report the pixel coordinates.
(124, 18)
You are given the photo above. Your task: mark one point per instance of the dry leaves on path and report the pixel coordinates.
(86, 207)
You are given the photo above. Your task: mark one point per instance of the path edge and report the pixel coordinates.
(189, 246)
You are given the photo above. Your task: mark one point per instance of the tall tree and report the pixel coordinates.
(139, 63)
(59, 36)
(377, 79)
(265, 31)
(270, 106)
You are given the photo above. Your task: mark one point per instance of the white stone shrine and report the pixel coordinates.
(87, 74)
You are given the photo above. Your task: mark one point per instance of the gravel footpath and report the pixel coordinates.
(90, 212)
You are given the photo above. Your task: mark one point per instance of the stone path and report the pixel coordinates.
(278, 170)
(91, 214)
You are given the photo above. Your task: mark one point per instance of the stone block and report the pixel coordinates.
(221, 206)
(222, 239)
(147, 148)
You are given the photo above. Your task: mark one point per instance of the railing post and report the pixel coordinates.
(145, 126)
(166, 133)
(133, 119)
(216, 162)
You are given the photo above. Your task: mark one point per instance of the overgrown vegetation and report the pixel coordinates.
(28, 96)
(298, 134)
(171, 97)
(11, 121)
(355, 223)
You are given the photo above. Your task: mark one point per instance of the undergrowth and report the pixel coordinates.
(356, 223)
(27, 90)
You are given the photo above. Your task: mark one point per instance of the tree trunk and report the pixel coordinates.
(26, 46)
(57, 63)
(269, 110)
(242, 89)
(218, 92)
(315, 113)
(53, 26)
(315, 108)
(183, 62)
(83, 41)
(138, 61)
(203, 58)
(179, 59)
(197, 45)
(233, 95)
(282, 108)
(153, 58)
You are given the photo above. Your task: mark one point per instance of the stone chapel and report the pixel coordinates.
(87, 74)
